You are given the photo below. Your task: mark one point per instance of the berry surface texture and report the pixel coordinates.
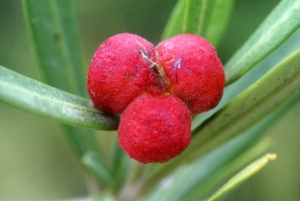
(156, 89)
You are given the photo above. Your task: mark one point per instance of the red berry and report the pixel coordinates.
(118, 73)
(155, 128)
(194, 71)
(157, 89)
(127, 65)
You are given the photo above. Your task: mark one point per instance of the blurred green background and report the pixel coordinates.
(35, 160)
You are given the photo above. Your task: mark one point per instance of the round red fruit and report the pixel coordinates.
(154, 129)
(118, 72)
(194, 71)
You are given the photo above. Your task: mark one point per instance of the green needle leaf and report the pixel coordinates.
(54, 36)
(206, 172)
(207, 18)
(270, 93)
(120, 165)
(287, 48)
(263, 97)
(217, 17)
(280, 24)
(53, 30)
(243, 175)
(47, 101)
(95, 165)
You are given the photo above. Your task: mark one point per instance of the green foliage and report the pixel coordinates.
(207, 18)
(260, 99)
(242, 176)
(279, 25)
(225, 139)
(36, 97)
(96, 165)
(206, 172)
(53, 30)
(54, 37)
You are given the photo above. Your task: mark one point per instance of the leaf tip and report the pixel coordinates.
(271, 157)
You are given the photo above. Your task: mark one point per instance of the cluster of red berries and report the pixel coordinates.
(157, 89)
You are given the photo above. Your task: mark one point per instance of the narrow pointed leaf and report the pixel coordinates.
(243, 175)
(120, 165)
(278, 91)
(288, 47)
(260, 99)
(96, 165)
(175, 22)
(218, 15)
(207, 18)
(54, 37)
(36, 97)
(248, 137)
(206, 172)
(53, 30)
(278, 26)
(255, 132)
